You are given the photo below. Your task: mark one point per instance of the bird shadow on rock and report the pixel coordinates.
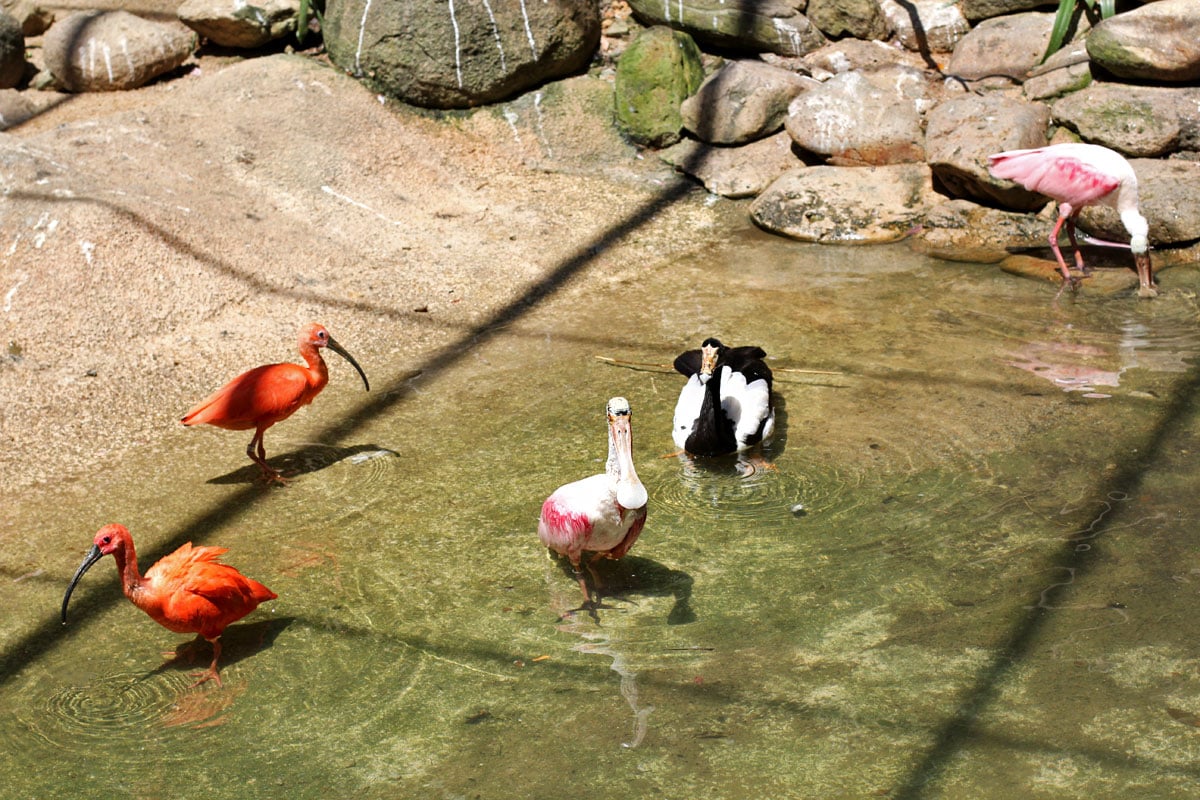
(308, 459)
(632, 577)
(239, 641)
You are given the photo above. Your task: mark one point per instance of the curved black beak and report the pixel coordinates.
(92, 557)
(341, 351)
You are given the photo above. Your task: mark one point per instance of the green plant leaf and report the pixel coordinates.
(1062, 21)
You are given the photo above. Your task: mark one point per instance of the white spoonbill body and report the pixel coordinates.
(602, 514)
(1079, 175)
(725, 406)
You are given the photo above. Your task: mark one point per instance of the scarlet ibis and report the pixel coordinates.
(188, 591)
(1078, 175)
(602, 514)
(265, 395)
(725, 406)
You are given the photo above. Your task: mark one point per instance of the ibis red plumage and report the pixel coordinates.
(268, 394)
(188, 591)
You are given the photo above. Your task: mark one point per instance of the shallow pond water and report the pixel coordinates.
(966, 566)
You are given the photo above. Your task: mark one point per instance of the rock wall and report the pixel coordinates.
(808, 106)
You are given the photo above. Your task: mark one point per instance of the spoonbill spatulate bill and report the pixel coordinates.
(602, 514)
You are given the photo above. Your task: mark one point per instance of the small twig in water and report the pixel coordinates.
(648, 367)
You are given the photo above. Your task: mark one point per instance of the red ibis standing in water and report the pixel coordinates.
(265, 395)
(602, 514)
(725, 406)
(1078, 175)
(188, 591)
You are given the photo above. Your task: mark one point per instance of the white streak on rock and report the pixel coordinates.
(496, 33)
(128, 55)
(511, 117)
(362, 29)
(529, 32)
(457, 47)
(331, 191)
(108, 62)
(11, 293)
(788, 33)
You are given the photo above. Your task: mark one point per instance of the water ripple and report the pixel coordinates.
(744, 488)
(122, 705)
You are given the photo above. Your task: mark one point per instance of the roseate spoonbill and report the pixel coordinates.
(1078, 175)
(602, 514)
(188, 591)
(265, 395)
(725, 406)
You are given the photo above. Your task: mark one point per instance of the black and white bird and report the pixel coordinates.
(725, 407)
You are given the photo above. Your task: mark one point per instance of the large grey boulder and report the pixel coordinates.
(1158, 42)
(976, 10)
(1140, 121)
(848, 55)
(748, 26)
(964, 131)
(852, 120)
(457, 55)
(1007, 46)
(741, 102)
(926, 25)
(846, 205)
(862, 19)
(1067, 70)
(99, 51)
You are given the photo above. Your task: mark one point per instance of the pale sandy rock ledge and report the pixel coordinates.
(158, 241)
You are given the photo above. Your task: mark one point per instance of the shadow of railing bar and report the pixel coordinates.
(959, 730)
(24, 649)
